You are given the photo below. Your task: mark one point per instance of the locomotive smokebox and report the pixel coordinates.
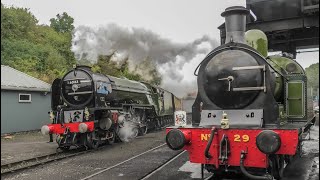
(235, 22)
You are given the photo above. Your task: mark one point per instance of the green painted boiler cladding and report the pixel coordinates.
(290, 88)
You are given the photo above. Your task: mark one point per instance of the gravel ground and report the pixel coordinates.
(25, 145)
(311, 150)
(31, 136)
(304, 168)
(84, 165)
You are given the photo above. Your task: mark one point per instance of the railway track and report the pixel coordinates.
(41, 160)
(149, 175)
(13, 167)
(126, 161)
(162, 166)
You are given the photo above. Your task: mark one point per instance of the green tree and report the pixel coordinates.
(106, 66)
(38, 50)
(16, 23)
(150, 72)
(313, 76)
(45, 51)
(62, 23)
(125, 72)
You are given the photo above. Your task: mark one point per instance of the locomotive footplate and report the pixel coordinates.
(226, 145)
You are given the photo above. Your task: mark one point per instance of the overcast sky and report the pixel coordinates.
(180, 21)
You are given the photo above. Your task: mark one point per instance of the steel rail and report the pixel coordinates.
(209, 177)
(40, 160)
(12, 167)
(162, 166)
(11, 164)
(118, 164)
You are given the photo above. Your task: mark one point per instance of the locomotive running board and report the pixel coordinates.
(139, 106)
(237, 118)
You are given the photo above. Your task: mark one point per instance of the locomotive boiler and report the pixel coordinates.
(91, 108)
(250, 114)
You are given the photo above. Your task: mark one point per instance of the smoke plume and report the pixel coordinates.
(174, 61)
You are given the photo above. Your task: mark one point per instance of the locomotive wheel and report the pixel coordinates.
(143, 130)
(92, 143)
(158, 126)
(116, 133)
(112, 139)
(135, 132)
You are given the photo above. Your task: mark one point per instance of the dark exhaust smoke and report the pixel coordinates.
(138, 44)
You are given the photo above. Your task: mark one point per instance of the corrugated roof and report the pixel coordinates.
(12, 79)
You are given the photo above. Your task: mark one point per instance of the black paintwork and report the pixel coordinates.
(175, 139)
(233, 100)
(220, 66)
(268, 142)
(55, 94)
(74, 78)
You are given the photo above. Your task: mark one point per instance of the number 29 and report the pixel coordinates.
(243, 138)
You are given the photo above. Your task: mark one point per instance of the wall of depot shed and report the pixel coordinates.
(17, 116)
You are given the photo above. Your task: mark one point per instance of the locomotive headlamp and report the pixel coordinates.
(224, 121)
(268, 142)
(83, 128)
(176, 139)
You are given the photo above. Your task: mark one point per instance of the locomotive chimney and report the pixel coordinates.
(235, 23)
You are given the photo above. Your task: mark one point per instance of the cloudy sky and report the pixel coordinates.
(178, 21)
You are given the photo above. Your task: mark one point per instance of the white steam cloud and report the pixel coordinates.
(175, 61)
(128, 131)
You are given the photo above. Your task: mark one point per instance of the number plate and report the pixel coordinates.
(241, 138)
(76, 81)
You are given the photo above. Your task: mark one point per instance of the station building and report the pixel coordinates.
(25, 101)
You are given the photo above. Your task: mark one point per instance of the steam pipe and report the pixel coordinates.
(246, 173)
(206, 152)
(235, 23)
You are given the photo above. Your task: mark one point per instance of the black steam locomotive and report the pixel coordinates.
(251, 112)
(89, 108)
